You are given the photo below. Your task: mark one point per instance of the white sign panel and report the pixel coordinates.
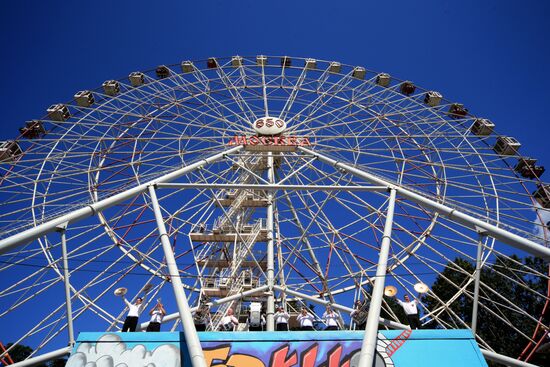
(269, 126)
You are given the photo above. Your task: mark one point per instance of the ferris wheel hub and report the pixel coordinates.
(269, 125)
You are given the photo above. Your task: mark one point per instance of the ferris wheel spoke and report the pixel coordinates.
(295, 90)
(235, 94)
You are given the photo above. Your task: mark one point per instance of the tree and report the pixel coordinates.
(494, 321)
(60, 362)
(20, 353)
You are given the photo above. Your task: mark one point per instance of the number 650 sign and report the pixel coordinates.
(269, 126)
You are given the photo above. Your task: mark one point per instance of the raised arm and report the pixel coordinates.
(126, 301)
(143, 301)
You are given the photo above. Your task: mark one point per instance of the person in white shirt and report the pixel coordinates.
(157, 314)
(229, 321)
(306, 320)
(330, 318)
(281, 319)
(411, 310)
(134, 310)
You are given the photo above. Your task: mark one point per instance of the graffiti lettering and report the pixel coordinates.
(221, 357)
(218, 357)
(278, 358)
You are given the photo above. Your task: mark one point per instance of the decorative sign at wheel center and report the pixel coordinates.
(269, 126)
(269, 136)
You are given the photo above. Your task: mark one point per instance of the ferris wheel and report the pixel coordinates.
(271, 180)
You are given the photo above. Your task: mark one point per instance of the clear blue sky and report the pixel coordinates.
(492, 56)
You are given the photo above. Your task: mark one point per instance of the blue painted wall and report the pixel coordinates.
(279, 349)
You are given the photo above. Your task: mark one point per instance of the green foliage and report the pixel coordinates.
(494, 318)
(20, 352)
(57, 363)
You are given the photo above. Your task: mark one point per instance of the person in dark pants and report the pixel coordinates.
(157, 314)
(359, 314)
(202, 317)
(229, 321)
(306, 320)
(281, 319)
(134, 310)
(411, 310)
(330, 318)
(252, 326)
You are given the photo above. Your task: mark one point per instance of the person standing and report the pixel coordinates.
(229, 321)
(134, 310)
(256, 326)
(411, 310)
(330, 318)
(305, 319)
(281, 319)
(359, 314)
(157, 314)
(202, 318)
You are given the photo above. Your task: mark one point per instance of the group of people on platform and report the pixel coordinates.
(229, 322)
(157, 313)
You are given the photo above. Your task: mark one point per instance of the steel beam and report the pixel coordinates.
(477, 279)
(270, 187)
(368, 348)
(505, 360)
(63, 231)
(270, 253)
(176, 315)
(388, 323)
(454, 214)
(91, 209)
(189, 331)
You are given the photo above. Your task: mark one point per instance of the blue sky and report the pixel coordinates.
(492, 56)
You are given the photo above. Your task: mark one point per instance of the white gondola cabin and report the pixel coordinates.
(84, 98)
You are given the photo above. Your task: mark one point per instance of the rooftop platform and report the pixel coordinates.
(270, 349)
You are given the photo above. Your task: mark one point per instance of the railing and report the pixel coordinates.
(244, 248)
(236, 287)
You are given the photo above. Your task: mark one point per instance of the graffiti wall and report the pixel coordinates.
(278, 349)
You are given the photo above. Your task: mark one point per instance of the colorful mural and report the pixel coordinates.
(125, 350)
(278, 349)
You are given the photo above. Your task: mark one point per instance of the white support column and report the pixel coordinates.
(62, 229)
(189, 331)
(481, 236)
(270, 252)
(368, 349)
